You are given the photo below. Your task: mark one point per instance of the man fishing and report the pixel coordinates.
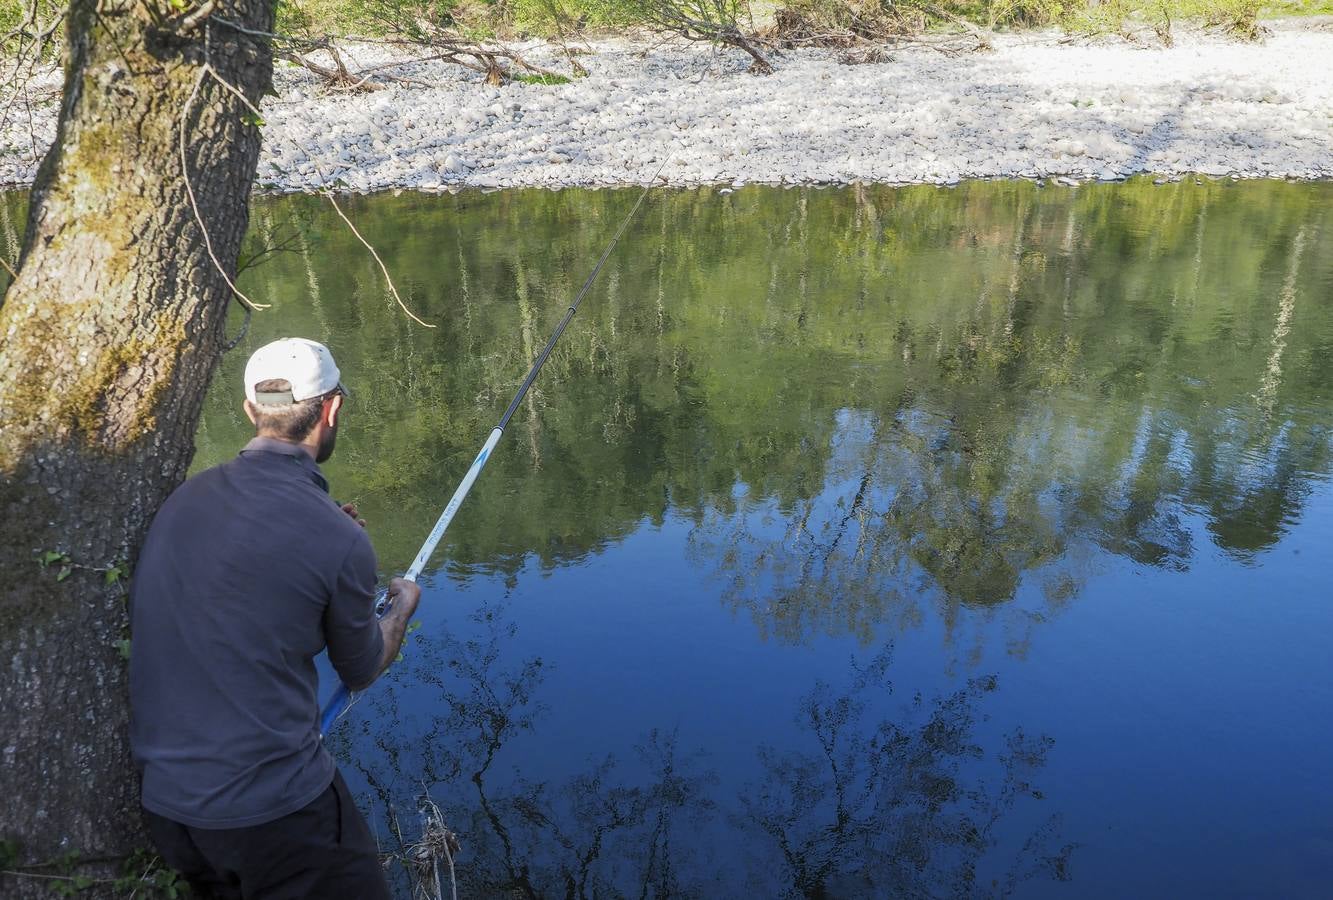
(249, 571)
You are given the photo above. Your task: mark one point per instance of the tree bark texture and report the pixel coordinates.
(108, 338)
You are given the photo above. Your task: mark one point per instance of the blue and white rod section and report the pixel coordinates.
(428, 548)
(343, 698)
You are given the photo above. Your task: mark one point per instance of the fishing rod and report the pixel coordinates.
(343, 698)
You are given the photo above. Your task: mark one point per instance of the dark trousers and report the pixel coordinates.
(322, 850)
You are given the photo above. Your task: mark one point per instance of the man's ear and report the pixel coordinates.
(250, 412)
(332, 407)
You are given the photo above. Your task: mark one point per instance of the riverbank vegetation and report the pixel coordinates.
(762, 28)
(562, 18)
(473, 32)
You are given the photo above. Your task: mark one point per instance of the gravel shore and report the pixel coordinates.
(1034, 107)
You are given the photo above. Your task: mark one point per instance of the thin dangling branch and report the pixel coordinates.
(383, 268)
(194, 206)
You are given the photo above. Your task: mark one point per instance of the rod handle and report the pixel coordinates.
(342, 697)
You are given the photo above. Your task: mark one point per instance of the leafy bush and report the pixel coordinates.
(1239, 18)
(567, 16)
(1035, 13)
(310, 16)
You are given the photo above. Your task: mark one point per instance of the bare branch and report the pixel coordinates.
(863, 29)
(411, 315)
(329, 194)
(705, 21)
(338, 77)
(31, 41)
(190, 20)
(204, 71)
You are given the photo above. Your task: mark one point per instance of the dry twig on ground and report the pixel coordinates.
(714, 22)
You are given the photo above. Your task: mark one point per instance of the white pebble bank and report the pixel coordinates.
(1034, 108)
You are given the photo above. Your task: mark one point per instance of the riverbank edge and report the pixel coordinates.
(730, 187)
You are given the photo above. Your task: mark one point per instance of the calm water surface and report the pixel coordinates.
(854, 543)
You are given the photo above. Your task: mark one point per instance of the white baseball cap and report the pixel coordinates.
(306, 365)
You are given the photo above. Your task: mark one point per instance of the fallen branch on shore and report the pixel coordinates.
(497, 62)
(338, 76)
(714, 22)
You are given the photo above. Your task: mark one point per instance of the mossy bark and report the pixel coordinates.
(108, 339)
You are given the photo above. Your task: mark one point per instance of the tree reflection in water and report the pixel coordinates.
(906, 804)
(893, 808)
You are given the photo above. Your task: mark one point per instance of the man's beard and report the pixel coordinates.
(326, 442)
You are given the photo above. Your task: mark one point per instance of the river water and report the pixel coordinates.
(856, 542)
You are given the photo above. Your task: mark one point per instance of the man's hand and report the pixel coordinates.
(350, 509)
(404, 596)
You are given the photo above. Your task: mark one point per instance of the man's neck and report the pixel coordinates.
(310, 447)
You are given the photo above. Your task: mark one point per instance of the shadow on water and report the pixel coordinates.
(867, 803)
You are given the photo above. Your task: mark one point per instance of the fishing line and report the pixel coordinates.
(343, 698)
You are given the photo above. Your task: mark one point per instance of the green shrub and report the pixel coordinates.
(306, 17)
(565, 17)
(1025, 13)
(1239, 18)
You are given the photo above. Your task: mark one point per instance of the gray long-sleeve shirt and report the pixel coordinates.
(249, 570)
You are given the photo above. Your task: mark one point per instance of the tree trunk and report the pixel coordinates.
(110, 333)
